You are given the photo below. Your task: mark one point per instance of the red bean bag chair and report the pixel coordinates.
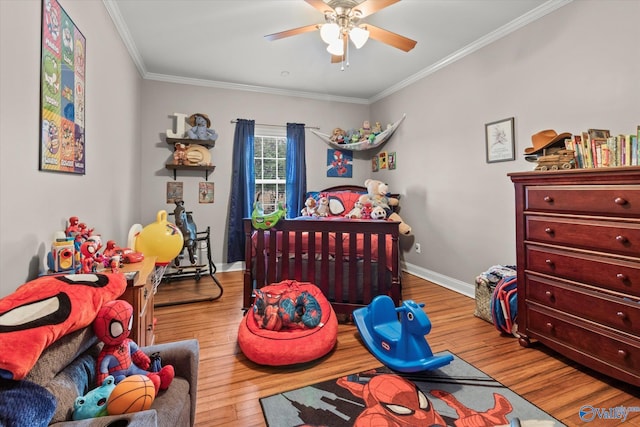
(290, 322)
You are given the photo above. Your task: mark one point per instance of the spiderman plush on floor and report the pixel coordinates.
(120, 355)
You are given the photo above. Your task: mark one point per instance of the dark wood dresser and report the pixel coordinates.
(578, 262)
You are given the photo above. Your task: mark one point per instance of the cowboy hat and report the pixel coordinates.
(544, 139)
(192, 119)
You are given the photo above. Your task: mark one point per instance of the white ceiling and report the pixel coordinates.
(221, 43)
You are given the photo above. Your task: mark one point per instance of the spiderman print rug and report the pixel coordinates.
(455, 395)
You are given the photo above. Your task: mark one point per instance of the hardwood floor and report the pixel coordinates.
(229, 385)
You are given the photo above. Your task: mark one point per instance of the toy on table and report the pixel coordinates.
(399, 344)
(200, 127)
(62, 257)
(94, 403)
(121, 356)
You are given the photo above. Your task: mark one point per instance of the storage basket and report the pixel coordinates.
(485, 284)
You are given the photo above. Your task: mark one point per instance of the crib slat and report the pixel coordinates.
(366, 268)
(338, 267)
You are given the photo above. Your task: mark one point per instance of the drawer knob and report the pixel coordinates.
(549, 295)
(548, 230)
(549, 326)
(548, 199)
(621, 276)
(549, 263)
(620, 201)
(621, 315)
(622, 239)
(622, 353)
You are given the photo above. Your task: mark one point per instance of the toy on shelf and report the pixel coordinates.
(399, 344)
(200, 127)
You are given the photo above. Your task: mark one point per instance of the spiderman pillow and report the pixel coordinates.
(47, 308)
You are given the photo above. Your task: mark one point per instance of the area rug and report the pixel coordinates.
(455, 395)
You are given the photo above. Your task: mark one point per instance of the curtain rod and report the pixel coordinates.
(279, 126)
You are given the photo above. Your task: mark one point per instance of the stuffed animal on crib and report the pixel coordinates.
(357, 210)
(309, 207)
(121, 356)
(377, 195)
(200, 127)
(322, 208)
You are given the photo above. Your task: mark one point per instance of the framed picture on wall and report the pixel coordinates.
(62, 83)
(391, 160)
(205, 192)
(382, 160)
(174, 191)
(339, 163)
(500, 141)
(374, 164)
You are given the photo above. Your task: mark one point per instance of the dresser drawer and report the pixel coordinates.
(605, 236)
(616, 312)
(620, 352)
(608, 273)
(613, 200)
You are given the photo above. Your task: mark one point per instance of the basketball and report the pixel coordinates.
(132, 394)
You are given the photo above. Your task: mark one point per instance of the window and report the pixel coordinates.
(270, 153)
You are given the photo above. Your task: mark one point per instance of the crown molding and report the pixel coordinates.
(512, 26)
(501, 32)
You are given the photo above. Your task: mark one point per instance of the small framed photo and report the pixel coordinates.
(205, 192)
(174, 191)
(374, 164)
(500, 141)
(391, 160)
(382, 160)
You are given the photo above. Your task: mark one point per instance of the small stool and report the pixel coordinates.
(289, 346)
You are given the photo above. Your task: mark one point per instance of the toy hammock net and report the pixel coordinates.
(380, 139)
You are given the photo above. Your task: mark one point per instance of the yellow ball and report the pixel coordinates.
(160, 239)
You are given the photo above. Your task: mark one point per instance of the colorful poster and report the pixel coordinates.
(339, 163)
(62, 80)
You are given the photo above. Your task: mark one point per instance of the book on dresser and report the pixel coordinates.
(578, 265)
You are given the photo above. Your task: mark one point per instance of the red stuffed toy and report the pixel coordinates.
(120, 355)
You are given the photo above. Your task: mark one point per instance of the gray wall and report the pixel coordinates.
(571, 70)
(36, 204)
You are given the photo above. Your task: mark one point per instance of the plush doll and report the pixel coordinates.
(377, 196)
(338, 136)
(94, 403)
(121, 356)
(322, 208)
(180, 154)
(356, 212)
(200, 127)
(309, 207)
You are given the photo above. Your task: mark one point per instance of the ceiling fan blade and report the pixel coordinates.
(319, 5)
(392, 39)
(293, 32)
(369, 7)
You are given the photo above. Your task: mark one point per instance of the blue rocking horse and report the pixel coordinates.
(398, 343)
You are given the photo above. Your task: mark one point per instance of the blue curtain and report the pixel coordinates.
(243, 183)
(296, 175)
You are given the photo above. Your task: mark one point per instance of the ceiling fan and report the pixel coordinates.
(342, 22)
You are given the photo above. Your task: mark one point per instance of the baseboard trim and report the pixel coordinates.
(463, 288)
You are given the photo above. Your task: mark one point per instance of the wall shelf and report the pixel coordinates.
(175, 168)
(187, 141)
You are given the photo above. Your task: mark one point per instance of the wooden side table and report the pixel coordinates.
(140, 296)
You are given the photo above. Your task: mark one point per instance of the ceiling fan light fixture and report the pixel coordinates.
(336, 48)
(330, 32)
(359, 36)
